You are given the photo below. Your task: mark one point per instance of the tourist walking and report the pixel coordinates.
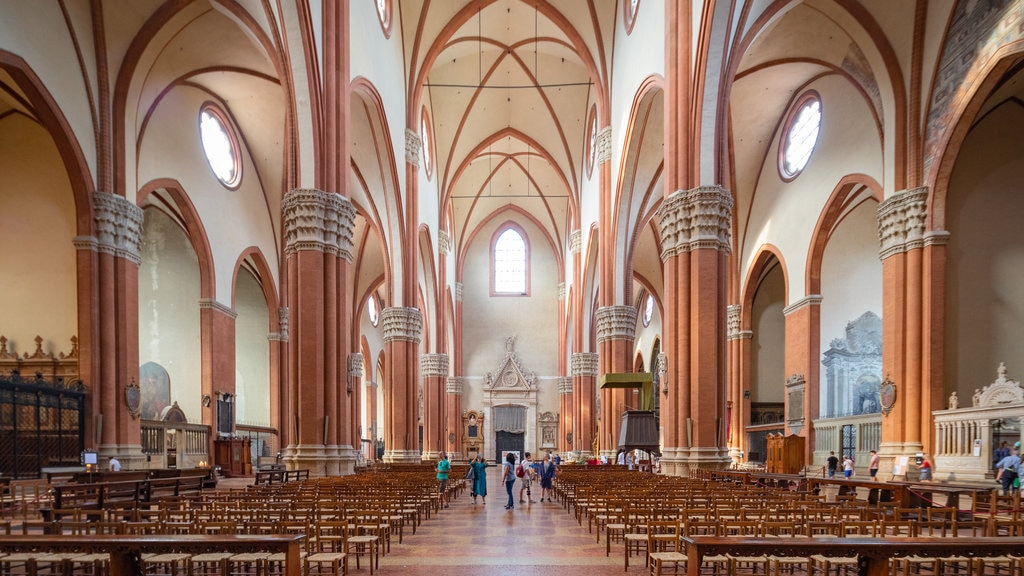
(479, 467)
(508, 476)
(548, 471)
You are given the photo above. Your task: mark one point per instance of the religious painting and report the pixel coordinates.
(155, 388)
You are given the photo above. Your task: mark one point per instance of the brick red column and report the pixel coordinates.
(565, 413)
(616, 327)
(403, 329)
(913, 296)
(802, 365)
(584, 396)
(434, 372)
(695, 228)
(117, 257)
(454, 386)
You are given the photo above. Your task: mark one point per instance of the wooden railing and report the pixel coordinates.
(872, 554)
(126, 551)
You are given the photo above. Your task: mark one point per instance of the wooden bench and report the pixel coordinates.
(125, 551)
(279, 476)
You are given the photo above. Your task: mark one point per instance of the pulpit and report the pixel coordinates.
(233, 456)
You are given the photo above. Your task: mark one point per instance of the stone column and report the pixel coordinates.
(616, 328)
(354, 391)
(739, 380)
(913, 279)
(318, 242)
(112, 259)
(453, 388)
(434, 373)
(565, 413)
(403, 329)
(695, 228)
(584, 399)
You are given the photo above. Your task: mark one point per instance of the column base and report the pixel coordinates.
(130, 456)
(686, 461)
(320, 460)
(402, 457)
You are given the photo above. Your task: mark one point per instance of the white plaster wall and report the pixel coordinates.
(252, 352)
(37, 226)
(233, 220)
(169, 330)
(488, 321)
(768, 346)
(985, 275)
(851, 279)
(784, 214)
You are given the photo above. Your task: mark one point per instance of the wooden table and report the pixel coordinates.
(126, 551)
(872, 554)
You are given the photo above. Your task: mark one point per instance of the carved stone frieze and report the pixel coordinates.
(413, 143)
(695, 219)
(901, 221)
(455, 384)
(733, 314)
(584, 364)
(402, 324)
(604, 145)
(211, 304)
(355, 365)
(616, 323)
(575, 241)
(118, 226)
(318, 221)
(433, 365)
(565, 385)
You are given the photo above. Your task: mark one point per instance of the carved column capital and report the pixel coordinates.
(809, 300)
(604, 145)
(695, 219)
(443, 243)
(404, 324)
(318, 221)
(413, 143)
(584, 364)
(433, 365)
(901, 221)
(355, 365)
(458, 291)
(733, 315)
(575, 241)
(118, 226)
(282, 317)
(561, 291)
(211, 304)
(565, 385)
(616, 323)
(455, 384)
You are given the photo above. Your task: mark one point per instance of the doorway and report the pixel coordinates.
(509, 442)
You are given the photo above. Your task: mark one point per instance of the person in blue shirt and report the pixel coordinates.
(1008, 470)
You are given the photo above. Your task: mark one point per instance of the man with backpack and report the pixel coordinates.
(525, 472)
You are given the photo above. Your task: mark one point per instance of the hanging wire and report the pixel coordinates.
(479, 47)
(536, 68)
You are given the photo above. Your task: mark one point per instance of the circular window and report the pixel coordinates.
(384, 15)
(592, 142)
(648, 310)
(630, 6)
(428, 157)
(219, 146)
(801, 134)
(371, 310)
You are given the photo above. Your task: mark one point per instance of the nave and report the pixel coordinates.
(485, 539)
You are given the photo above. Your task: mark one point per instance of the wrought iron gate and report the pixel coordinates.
(508, 441)
(42, 423)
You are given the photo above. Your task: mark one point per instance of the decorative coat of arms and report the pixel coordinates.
(133, 398)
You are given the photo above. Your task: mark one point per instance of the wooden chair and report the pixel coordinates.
(329, 553)
(664, 546)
